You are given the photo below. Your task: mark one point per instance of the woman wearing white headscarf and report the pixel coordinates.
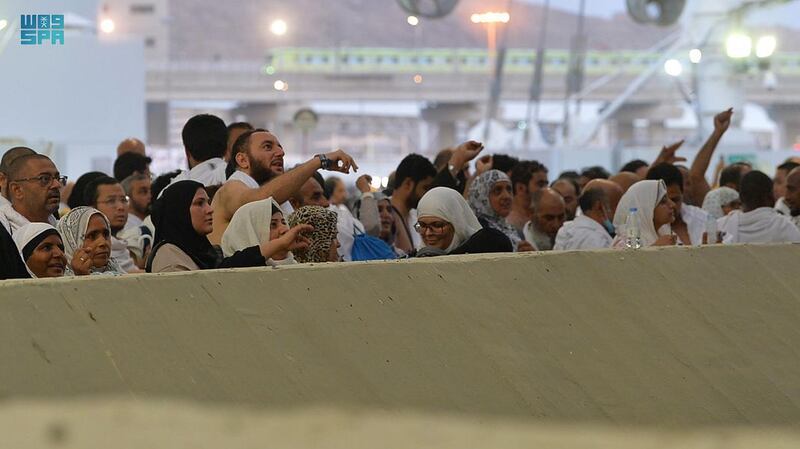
(256, 222)
(448, 226)
(655, 212)
(721, 201)
(87, 242)
(42, 249)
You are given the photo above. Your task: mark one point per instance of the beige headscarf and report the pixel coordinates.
(644, 196)
(449, 205)
(250, 226)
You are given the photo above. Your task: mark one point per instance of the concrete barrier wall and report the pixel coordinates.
(136, 424)
(680, 336)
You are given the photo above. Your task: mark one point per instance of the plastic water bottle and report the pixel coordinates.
(633, 234)
(712, 232)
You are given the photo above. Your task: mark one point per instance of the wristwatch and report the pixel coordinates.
(324, 162)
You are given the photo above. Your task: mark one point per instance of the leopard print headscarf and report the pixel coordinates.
(324, 223)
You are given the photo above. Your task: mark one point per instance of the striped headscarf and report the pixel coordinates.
(72, 228)
(480, 204)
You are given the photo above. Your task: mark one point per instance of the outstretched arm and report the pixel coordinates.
(284, 186)
(700, 185)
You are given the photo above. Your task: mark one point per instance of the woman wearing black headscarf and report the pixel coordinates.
(183, 220)
(11, 264)
(76, 198)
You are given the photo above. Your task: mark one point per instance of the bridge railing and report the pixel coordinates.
(434, 61)
(466, 60)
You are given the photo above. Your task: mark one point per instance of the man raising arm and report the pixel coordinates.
(259, 174)
(697, 173)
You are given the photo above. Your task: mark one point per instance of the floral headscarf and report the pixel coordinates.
(72, 228)
(325, 230)
(717, 198)
(479, 202)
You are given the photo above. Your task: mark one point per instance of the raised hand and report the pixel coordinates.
(341, 162)
(82, 261)
(667, 154)
(723, 120)
(295, 238)
(464, 153)
(483, 165)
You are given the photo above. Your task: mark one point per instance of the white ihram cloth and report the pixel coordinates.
(762, 225)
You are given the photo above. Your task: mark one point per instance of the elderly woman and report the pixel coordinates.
(490, 197)
(261, 221)
(448, 226)
(721, 201)
(655, 211)
(87, 242)
(324, 245)
(42, 250)
(183, 220)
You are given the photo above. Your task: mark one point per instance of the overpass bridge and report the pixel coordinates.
(447, 75)
(452, 83)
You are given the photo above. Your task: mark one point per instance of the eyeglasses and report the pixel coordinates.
(124, 200)
(45, 180)
(437, 227)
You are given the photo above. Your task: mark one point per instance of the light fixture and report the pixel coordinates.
(673, 67)
(765, 46)
(695, 55)
(3, 24)
(491, 17)
(418, 79)
(281, 85)
(107, 26)
(278, 27)
(413, 21)
(739, 45)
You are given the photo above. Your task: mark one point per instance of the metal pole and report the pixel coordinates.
(496, 86)
(531, 114)
(575, 73)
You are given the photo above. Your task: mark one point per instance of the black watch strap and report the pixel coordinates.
(324, 162)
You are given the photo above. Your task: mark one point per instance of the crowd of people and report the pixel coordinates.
(238, 206)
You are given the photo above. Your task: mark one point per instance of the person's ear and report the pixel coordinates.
(15, 191)
(243, 161)
(519, 189)
(407, 185)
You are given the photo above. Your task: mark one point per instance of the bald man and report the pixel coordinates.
(7, 212)
(625, 180)
(549, 214)
(612, 190)
(131, 145)
(792, 196)
(9, 157)
(34, 187)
